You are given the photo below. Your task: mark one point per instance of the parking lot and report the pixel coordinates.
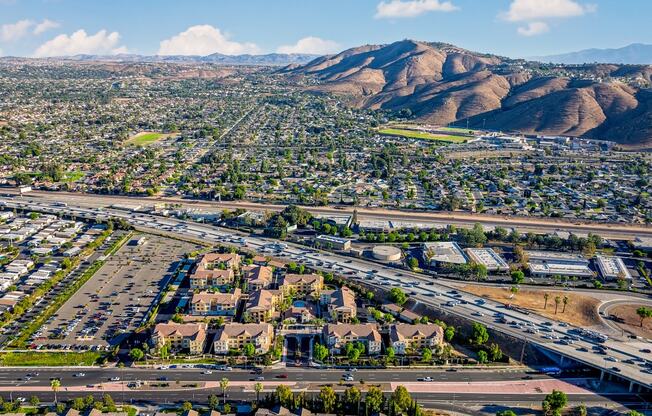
(117, 298)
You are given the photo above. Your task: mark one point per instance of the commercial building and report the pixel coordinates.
(403, 337)
(443, 252)
(551, 263)
(488, 258)
(612, 268)
(215, 304)
(189, 338)
(235, 336)
(336, 243)
(336, 336)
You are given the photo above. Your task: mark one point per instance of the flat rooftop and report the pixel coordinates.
(444, 252)
(488, 258)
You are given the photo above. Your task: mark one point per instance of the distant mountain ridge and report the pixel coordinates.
(273, 59)
(636, 53)
(442, 84)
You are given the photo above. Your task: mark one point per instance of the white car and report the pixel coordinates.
(207, 372)
(114, 379)
(425, 379)
(20, 400)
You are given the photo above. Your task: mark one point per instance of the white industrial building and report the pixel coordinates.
(442, 252)
(551, 263)
(612, 268)
(488, 258)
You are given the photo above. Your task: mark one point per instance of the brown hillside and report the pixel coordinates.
(442, 83)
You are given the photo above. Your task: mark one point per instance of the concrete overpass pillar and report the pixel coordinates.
(631, 386)
(561, 362)
(601, 375)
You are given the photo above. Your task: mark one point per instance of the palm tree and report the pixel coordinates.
(258, 387)
(557, 302)
(565, 301)
(55, 384)
(224, 383)
(546, 296)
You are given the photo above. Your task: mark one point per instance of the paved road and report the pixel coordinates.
(422, 288)
(537, 225)
(41, 377)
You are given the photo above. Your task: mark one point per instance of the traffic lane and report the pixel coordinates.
(200, 396)
(95, 376)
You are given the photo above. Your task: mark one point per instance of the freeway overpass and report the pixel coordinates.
(425, 290)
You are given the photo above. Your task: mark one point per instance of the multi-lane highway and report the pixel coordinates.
(431, 218)
(620, 359)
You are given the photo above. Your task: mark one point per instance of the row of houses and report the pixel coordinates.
(191, 338)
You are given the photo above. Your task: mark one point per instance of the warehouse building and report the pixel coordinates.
(550, 263)
(488, 258)
(612, 268)
(443, 252)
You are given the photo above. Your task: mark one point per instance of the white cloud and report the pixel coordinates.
(533, 29)
(411, 8)
(101, 43)
(204, 40)
(528, 10)
(45, 25)
(13, 31)
(312, 45)
(535, 13)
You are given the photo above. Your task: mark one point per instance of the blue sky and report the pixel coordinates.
(507, 27)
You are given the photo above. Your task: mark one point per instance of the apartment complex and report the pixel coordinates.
(303, 284)
(235, 336)
(189, 338)
(215, 304)
(337, 336)
(414, 336)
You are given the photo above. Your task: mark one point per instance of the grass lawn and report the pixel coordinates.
(73, 176)
(49, 358)
(413, 134)
(145, 138)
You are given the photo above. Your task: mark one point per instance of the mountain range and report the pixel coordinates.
(271, 59)
(636, 53)
(441, 83)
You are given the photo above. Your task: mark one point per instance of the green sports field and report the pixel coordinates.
(413, 134)
(143, 139)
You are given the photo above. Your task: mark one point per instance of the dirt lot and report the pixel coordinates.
(627, 318)
(581, 310)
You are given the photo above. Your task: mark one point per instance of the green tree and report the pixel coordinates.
(557, 302)
(413, 263)
(495, 353)
(258, 387)
(391, 353)
(479, 334)
(401, 398)
(108, 403)
(554, 403)
(186, 406)
(449, 333)
(34, 401)
(213, 402)
(506, 412)
(136, 354)
(482, 357)
(320, 352)
(374, 400)
(546, 296)
(55, 384)
(426, 355)
(285, 395)
(398, 296)
(352, 398)
(644, 313)
(328, 399)
(249, 349)
(518, 277)
(224, 383)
